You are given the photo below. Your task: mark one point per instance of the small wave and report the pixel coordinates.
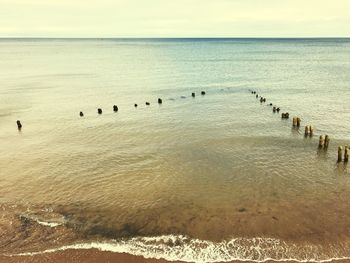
(50, 223)
(181, 248)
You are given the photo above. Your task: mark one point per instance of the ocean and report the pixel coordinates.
(211, 178)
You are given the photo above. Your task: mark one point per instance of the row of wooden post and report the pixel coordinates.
(115, 108)
(323, 141)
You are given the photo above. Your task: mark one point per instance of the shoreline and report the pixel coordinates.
(97, 256)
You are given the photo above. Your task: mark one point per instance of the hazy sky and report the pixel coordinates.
(174, 18)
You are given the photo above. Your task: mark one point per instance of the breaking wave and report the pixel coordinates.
(182, 248)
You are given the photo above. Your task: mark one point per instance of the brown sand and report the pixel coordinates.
(95, 256)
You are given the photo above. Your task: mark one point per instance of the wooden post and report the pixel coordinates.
(326, 142)
(147, 103)
(81, 114)
(99, 111)
(311, 130)
(321, 142)
(135, 105)
(298, 122)
(274, 109)
(193, 94)
(115, 108)
(203, 92)
(346, 154)
(294, 121)
(307, 130)
(19, 125)
(160, 101)
(340, 153)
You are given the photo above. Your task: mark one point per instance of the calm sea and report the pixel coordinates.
(214, 177)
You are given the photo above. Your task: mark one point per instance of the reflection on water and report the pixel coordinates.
(213, 167)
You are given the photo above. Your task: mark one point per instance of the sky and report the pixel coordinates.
(174, 18)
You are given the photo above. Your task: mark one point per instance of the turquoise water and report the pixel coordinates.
(216, 169)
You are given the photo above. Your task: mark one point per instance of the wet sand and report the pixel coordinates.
(96, 256)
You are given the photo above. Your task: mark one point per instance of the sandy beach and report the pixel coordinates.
(96, 256)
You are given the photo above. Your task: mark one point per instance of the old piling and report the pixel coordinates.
(115, 108)
(274, 109)
(311, 130)
(203, 92)
(99, 111)
(135, 105)
(321, 142)
(326, 142)
(340, 153)
(160, 101)
(285, 115)
(294, 121)
(147, 103)
(307, 130)
(346, 154)
(81, 114)
(298, 122)
(193, 94)
(19, 125)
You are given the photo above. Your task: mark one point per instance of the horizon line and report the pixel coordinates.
(183, 37)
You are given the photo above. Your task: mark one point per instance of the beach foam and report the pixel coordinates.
(53, 222)
(181, 248)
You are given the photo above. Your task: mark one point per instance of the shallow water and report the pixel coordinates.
(215, 169)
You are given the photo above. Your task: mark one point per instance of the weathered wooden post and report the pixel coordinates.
(160, 101)
(311, 130)
(99, 111)
(135, 105)
(194, 94)
(81, 114)
(147, 103)
(115, 108)
(19, 125)
(285, 115)
(298, 122)
(346, 154)
(294, 121)
(321, 142)
(203, 92)
(274, 109)
(326, 142)
(307, 130)
(340, 153)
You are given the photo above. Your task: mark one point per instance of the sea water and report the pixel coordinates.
(214, 177)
